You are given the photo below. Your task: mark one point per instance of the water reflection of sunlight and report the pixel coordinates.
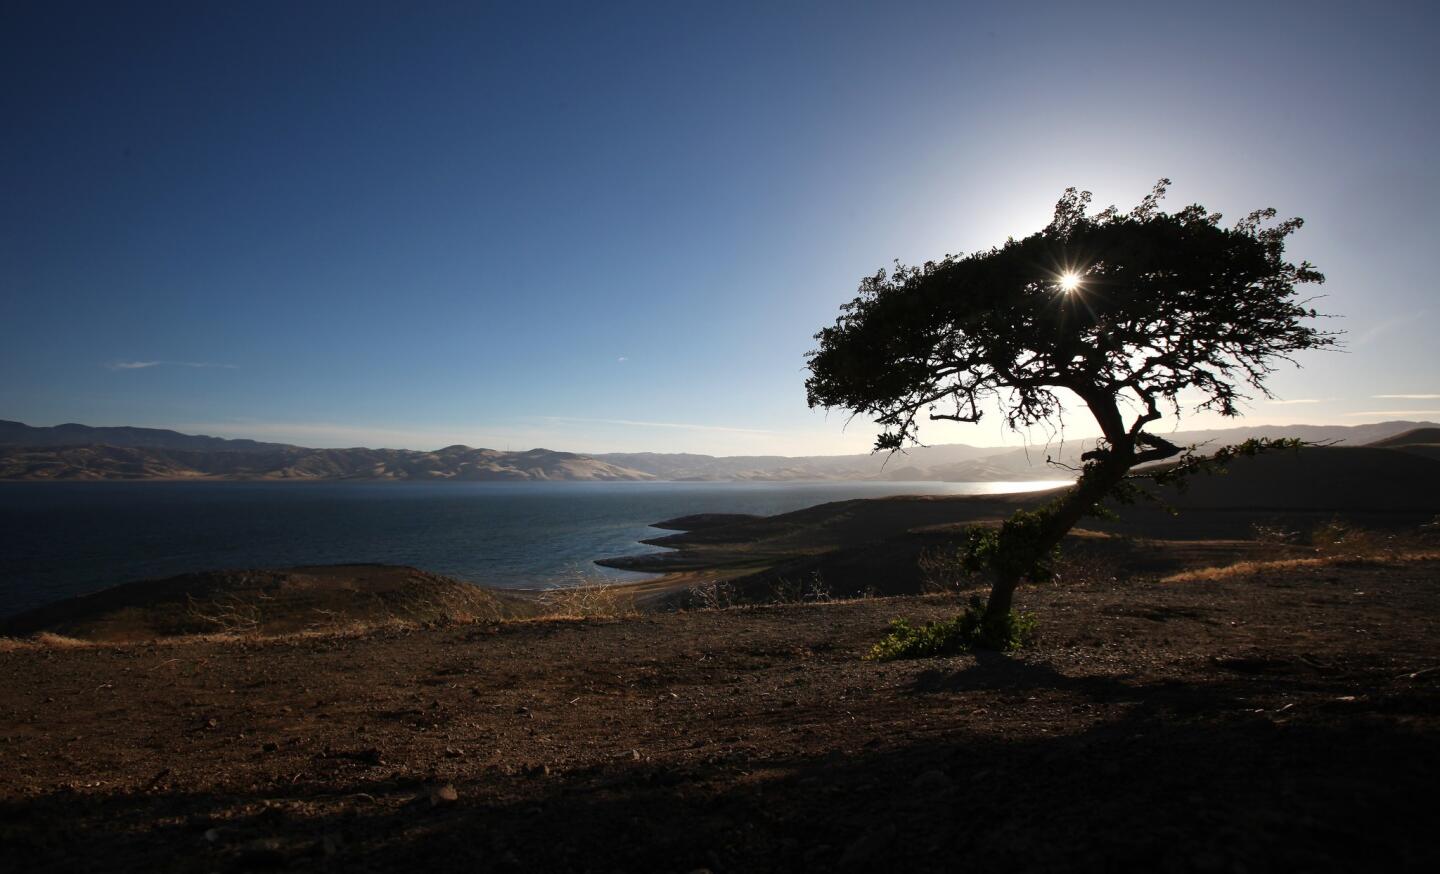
(1009, 487)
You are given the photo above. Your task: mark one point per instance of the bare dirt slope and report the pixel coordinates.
(1272, 721)
(268, 602)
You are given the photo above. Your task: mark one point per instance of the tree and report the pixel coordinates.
(1126, 311)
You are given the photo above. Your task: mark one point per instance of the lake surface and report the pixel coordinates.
(63, 539)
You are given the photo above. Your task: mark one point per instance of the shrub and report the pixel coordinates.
(1339, 537)
(812, 589)
(965, 632)
(714, 595)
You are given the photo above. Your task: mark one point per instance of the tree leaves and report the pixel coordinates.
(1167, 304)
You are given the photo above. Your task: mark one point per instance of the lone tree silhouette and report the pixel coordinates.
(1127, 311)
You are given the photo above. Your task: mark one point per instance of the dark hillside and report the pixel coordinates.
(1422, 436)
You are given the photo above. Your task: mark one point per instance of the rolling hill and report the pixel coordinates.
(72, 451)
(460, 463)
(1417, 441)
(72, 434)
(963, 463)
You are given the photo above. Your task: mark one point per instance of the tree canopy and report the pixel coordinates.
(1139, 306)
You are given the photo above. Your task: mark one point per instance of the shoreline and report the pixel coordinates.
(74, 539)
(851, 546)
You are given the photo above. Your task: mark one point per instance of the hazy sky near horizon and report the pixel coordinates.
(606, 227)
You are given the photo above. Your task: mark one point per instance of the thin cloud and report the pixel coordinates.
(639, 424)
(1407, 397)
(1300, 401)
(622, 359)
(1398, 413)
(1373, 332)
(142, 365)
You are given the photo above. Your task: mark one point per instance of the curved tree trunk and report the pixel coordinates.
(1092, 488)
(1107, 469)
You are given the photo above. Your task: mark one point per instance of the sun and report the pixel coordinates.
(1069, 282)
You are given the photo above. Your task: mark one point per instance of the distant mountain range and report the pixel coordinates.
(80, 452)
(20, 434)
(77, 452)
(958, 462)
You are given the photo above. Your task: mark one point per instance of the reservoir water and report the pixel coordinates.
(69, 538)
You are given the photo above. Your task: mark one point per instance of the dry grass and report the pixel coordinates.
(1243, 568)
(588, 600)
(802, 589)
(232, 613)
(43, 640)
(457, 605)
(712, 595)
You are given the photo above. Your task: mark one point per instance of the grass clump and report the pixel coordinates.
(588, 600)
(964, 633)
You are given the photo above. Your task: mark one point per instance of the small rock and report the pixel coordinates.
(441, 795)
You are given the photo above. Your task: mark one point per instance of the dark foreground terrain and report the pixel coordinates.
(1268, 720)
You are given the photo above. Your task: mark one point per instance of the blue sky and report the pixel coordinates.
(603, 227)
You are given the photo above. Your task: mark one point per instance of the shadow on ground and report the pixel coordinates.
(1187, 779)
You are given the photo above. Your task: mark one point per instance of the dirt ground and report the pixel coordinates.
(1276, 720)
